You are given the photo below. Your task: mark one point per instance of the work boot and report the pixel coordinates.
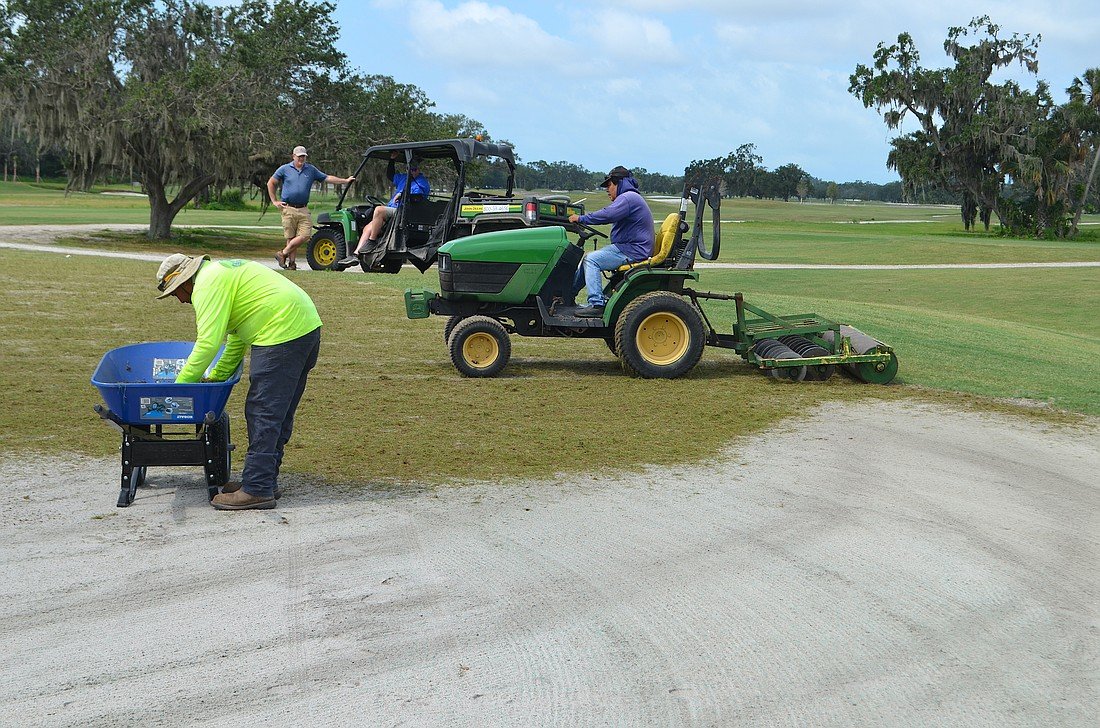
(241, 501)
(348, 261)
(234, 485)
(589, 312)
(280, 258)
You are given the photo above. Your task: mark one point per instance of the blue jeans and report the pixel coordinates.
(590, 272)
(276, 379)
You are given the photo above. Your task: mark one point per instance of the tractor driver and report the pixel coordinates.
(418, 185)
(631, 237)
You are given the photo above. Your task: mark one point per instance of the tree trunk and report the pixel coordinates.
(1084, 194)
(161, 211)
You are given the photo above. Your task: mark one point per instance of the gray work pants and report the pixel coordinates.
(276, 380)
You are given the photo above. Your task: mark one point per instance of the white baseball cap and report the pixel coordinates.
(300, 151)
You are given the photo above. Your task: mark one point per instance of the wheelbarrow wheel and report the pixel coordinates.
(221, 459)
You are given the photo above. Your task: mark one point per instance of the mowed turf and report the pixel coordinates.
(386, 405)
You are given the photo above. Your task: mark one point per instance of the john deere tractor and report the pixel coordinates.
(423, 223)
(519, 282)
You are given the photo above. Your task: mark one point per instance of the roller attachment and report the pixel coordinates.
(806, 348)
(772, 349)
(870, 372)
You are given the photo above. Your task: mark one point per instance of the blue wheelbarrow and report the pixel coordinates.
(162, 422)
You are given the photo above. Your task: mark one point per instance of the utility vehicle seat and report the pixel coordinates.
(662, 244)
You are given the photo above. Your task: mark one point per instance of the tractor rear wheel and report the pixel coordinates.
(479, 346)
(660, 335)
(325, 248)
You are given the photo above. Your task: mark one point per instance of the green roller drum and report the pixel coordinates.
(871, 372)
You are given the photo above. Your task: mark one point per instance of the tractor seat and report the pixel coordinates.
(664, 242)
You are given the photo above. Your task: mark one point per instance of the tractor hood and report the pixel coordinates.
(527, 245)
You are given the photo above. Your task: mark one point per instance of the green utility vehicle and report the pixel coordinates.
(423, 223)
(520, 282)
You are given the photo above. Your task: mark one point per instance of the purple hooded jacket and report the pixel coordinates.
(632, 221)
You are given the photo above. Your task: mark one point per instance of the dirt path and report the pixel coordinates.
(885, 565)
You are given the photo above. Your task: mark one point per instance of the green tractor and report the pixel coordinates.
(424, 223)
(520, 282)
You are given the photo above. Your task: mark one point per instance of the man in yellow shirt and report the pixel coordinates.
(245, 304)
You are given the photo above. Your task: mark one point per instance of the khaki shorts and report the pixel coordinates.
(296, 222)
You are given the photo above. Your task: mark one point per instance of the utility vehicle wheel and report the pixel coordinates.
(660, 334)
(450, 326)
(325, 248)
(479, 346)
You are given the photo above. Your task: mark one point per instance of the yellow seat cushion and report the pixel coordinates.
(666, 236)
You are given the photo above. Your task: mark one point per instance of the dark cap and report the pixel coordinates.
(616, 174)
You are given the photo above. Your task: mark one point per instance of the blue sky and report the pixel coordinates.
(654, 83)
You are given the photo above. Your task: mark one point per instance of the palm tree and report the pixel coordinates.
(1085, 95)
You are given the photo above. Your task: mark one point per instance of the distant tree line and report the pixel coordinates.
(999, 147)
(742, 173)
(563, 175)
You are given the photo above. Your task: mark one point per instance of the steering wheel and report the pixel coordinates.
(371, 199)
(585, 232)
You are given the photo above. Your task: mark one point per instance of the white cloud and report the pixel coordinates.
(480, 33)
(630, 37)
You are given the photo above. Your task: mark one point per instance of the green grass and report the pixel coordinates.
(385, 404)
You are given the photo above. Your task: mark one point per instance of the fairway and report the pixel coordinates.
(385, 392)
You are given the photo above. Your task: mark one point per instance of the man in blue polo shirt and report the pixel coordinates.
(297, 177)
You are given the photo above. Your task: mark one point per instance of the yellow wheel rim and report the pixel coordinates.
(324, 251)
(480, 350)
(662, 338)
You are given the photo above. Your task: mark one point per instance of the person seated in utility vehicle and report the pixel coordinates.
(631, 237)
(418, 186)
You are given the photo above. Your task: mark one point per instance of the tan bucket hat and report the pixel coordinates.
(176, 270)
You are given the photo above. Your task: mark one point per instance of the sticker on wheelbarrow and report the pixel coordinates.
(166, 370)
(167, 408)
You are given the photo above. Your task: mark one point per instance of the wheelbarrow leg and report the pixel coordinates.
(130, 474)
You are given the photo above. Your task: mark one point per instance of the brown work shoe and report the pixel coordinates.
(280, 258)
(241, 501)
(234, 485)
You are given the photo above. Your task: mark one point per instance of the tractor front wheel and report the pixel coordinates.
(450, 326)
(479, 346)
(325, 248)
(660, 335)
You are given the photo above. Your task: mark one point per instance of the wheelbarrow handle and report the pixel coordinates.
(109, 417)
